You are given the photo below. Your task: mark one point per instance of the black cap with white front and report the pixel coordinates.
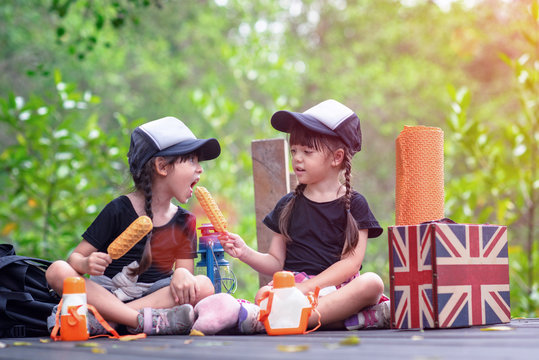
(167, 137)
(330, 117)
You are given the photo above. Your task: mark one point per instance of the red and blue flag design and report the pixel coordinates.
(448, 275)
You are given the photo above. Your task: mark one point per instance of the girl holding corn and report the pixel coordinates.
(151, 288)
(321, 228)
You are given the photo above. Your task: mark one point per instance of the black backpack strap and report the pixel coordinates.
(6, 249)
(5, 296)
(25, 297)
(8, 256)
(30, 262)
(6, 260)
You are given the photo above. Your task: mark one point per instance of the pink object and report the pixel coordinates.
(215, 313)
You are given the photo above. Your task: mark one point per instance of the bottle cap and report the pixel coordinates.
(74, 285)
(283, 279)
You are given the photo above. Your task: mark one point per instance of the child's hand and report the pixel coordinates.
(97, 262)
(184, 287)
(233, 244)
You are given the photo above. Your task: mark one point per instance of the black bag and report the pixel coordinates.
(26, 300)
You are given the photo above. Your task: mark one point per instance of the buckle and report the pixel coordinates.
(18, 331)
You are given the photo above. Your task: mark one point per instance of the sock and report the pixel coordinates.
(216, 313)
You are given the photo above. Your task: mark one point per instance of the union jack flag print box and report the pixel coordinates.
(445, 275)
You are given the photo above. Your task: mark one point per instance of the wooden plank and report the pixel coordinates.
(463, 343)
(271, 182)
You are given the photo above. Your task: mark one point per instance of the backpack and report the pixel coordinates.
(26, 300)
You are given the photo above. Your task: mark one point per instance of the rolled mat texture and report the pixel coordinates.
(419, 192)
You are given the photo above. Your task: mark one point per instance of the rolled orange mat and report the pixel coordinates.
(419, 193)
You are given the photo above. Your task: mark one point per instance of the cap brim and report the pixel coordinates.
(282, 120)
(209, 149)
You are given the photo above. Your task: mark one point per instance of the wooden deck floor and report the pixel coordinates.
(520, 342)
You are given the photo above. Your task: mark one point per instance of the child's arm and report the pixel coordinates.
(85, 259)
(340, 271)
(183, 285)
(265, 263)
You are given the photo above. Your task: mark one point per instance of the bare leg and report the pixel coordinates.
(163, 299)
(335, 307)
(106, 303)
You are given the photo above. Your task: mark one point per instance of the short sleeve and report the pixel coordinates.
(364, 217)
(115, 217)
(272, 219)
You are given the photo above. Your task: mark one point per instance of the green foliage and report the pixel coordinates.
(495, 161)
(58, 170)
(524, 296)
(80, 35)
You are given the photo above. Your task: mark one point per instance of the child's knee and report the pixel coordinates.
(57, 272)
(374, 284)
(369, 286)
(206, 287)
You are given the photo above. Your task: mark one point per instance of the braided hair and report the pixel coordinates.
(143, 182)
(299, 135)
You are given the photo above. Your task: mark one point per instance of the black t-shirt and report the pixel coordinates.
(175, 240)
(317, 230)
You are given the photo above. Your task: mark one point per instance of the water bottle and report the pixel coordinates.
(74, 311)
(285, 310)
(212, 261)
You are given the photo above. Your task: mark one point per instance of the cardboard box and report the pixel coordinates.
(445, 275)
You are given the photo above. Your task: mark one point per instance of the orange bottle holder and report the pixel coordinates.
(285, 310)
(73, 325)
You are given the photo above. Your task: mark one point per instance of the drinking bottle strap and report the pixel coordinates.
(264, 313)
(115, 335)
(54, 332)
(313, 299)
(110, 329)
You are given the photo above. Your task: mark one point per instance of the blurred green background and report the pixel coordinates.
(77, 76)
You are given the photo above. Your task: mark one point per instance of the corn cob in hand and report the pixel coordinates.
(132, 235)
(211, 209)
